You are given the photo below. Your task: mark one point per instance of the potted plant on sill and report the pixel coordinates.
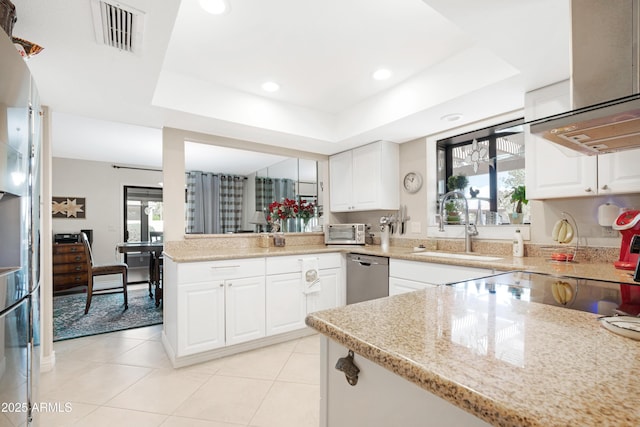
(453, 206)
(453, 213)
(518, 198)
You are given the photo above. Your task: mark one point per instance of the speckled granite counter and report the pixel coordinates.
(219, 249)
(516, 364)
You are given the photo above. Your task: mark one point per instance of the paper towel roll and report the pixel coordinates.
(607, 214)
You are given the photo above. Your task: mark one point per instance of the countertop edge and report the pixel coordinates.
(586, 270)
(459, 395)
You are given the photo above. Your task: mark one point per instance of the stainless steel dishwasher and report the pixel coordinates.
(367, 277)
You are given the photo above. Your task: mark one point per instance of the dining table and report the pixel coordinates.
(155, 251)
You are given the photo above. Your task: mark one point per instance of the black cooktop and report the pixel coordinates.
(594, 296)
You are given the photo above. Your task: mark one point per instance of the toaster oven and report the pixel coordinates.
(345, 234)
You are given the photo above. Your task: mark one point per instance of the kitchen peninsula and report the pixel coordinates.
(564, 370)
(516, 364)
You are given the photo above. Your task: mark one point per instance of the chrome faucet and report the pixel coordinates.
(469, 229)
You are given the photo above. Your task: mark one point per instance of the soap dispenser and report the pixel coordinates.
(518, 244)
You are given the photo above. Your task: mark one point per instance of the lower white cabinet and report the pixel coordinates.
(408, 276)
(200, 304)
(332, 291)
(220, 313)
(285, 303)
(213, 304)
(401, 286)
(286, 300)
(210, 305)
(245, 309)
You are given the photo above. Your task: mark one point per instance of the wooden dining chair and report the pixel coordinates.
(103, 270)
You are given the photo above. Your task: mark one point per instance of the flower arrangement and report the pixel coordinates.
(290, 208)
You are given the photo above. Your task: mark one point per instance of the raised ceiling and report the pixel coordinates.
(204, 73)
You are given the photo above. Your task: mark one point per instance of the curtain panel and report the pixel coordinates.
(269, 190)
(214, 203)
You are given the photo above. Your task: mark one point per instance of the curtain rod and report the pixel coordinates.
(136, 168)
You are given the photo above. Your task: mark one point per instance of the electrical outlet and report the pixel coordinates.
(416, 227)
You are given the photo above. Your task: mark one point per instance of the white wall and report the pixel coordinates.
(103, 188)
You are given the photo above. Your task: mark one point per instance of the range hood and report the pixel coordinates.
(605, 80)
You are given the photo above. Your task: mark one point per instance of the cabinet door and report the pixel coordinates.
(331, 290)
(341, 182)
(245, 309)
(400, 286)
(553, 171)
(286, 305)
(366, 177)
(619, 172)
(201, 317)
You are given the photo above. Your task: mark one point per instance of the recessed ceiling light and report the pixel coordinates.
(270, 86)
(382, 74)
(454, 117)
(215, 7)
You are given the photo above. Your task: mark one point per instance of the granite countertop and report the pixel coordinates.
(588, 270)
(510, 363)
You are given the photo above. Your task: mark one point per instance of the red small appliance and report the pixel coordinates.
(628, 224)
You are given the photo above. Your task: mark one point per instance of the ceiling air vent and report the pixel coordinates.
(118, 25)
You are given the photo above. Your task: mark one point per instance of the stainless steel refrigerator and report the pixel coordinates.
(20, 138)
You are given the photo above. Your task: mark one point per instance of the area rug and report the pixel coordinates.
(107, 314)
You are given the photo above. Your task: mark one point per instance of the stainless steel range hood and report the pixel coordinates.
(605, 80)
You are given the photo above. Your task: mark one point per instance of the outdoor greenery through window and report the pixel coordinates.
(492, 160)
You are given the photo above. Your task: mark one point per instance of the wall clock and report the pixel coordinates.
(412, 182)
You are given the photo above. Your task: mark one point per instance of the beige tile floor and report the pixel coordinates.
(125, 379)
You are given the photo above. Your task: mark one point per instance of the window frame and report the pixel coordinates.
(491, 134)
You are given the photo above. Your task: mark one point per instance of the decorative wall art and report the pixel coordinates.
(68, 207)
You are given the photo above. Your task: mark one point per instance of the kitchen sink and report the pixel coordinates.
(470, 257)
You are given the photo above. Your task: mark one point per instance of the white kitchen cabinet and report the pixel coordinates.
(245, 309)
(553, 171)
(202, 304)
(331, 292)
(400, 286)
(380, 398)
(285, 303)
(365, 178)
(216, 303)
(217, 308)
(408, 276)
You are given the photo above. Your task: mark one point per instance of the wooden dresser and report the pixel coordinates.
(69, 266)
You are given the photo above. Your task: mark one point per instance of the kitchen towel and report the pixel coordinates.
(310, 275)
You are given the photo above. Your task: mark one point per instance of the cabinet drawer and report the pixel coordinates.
(69, 268)
(438, 274)
(194, 272)
(293, 263)
(70, 279)
(68, 248)
(70, 258)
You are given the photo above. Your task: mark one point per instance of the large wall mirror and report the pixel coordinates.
(229, 190)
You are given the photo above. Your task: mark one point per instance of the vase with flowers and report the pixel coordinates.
(284, 212)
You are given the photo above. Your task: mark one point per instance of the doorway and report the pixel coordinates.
(142, 223)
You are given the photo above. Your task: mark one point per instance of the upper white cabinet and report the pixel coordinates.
(365, 178)
(553, 171)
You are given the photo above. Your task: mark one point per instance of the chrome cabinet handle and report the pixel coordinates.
(605, 187)
(588, 190)
(224, 266)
